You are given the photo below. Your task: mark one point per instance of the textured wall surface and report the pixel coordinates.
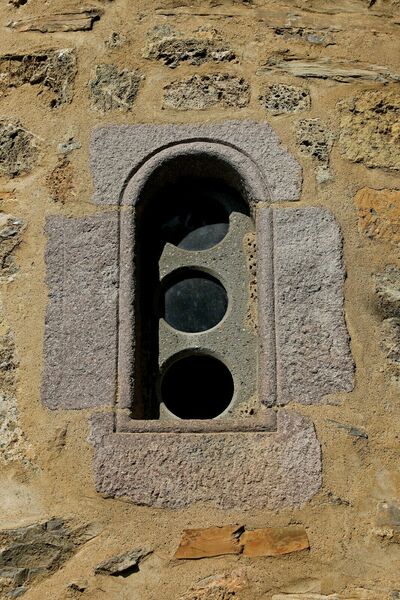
(320, 78)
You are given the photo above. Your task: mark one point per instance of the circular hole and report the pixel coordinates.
(197, 387)
(194, 301)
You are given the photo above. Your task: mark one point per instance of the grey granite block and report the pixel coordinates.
(118, 152)
(305, 352)
(241, 470)
(81, 319)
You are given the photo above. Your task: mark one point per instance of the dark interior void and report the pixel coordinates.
(197, 387)
(194, 219)
(186, 202)
(193, 301)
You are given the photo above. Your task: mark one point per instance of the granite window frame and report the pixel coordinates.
(208, 159)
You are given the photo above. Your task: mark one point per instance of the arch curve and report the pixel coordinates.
(204, 158)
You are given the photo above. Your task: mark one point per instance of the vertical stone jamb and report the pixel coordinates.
(266, 306)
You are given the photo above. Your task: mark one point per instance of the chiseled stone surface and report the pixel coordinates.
(312, 353)
(119, 151)
(80, 333)
(249, 470)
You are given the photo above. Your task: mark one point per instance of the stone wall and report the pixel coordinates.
(325, 76)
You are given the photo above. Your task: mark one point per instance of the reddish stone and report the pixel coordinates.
(212, 541)
(274, 541)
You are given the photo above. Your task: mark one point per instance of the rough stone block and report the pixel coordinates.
(32, 552)
(172, 50)
(234, 539)
(205, 91)
(225, 586)
(81, 322)
(314, 139)
(305, 351)
(53, 71)
(19, 151)
(387, 287)
(390, 345)
(118, 152)
(344, 71)
(369, 129)
(252, 470)
(11, 230)
(123, 564)
(114, 89)
(80, 20)
(280, 98)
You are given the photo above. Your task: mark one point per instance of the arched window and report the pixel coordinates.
(194, 345)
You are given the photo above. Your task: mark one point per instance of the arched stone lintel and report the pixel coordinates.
(118, 152)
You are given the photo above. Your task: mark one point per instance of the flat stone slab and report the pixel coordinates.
(305, 352)
(81, 319)
(118, 152)
(241, 470)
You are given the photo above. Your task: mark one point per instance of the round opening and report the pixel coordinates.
(194, 301)
(195, 219)
(197, 387)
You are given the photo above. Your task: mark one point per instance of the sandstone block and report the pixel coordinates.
(274, 541)
(344, 71)
(200, 92)
(80, 20)
(305, 597)
(81, 324)
(369, 129)
(379, 214)
(60, 181)
(212, 541)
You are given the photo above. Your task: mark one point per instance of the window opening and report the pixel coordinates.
(197, 387)
(193, 301)
(180, 216)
